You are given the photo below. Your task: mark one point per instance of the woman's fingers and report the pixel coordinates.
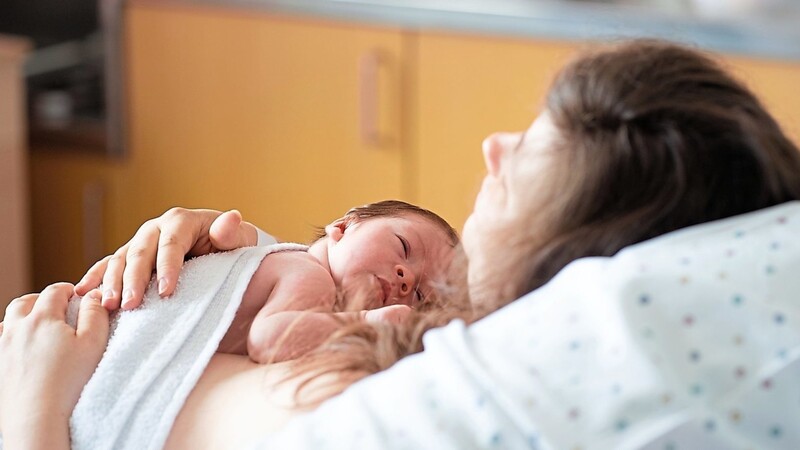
(140, 258)
(229, 231)
(161, 244)
(93, 276)
(92, 323)
(52, 302)
(112, 278)
(20, 307)
(196, 232)
(45, 363)
(181, 231)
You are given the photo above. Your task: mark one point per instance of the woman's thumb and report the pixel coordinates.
(229, 231)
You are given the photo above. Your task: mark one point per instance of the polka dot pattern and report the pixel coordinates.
(687, 341)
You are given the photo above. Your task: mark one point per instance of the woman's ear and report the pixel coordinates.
(335, 230)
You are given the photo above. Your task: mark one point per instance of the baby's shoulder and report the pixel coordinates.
(295, 264)
(300, 275)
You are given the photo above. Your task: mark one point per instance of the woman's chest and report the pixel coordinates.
(234, 403)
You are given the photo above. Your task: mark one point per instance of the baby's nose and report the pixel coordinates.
(405, 280)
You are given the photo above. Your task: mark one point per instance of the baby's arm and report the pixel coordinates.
(289, 334)
(295, 317)
(287, 310)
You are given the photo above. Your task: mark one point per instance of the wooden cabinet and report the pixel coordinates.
(469, 87)
(76, 207)
(291, 121)
(294, 120)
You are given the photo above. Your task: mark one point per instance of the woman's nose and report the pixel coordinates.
(405, 280)
(494, 146)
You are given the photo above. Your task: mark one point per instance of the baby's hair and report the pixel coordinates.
(395, 208)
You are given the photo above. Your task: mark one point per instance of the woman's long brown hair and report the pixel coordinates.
(653, 137)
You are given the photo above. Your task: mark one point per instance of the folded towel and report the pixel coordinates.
(157, 353)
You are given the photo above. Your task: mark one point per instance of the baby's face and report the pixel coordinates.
(389, 260)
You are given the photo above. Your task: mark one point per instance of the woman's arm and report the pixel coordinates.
(162, 243)
(45, 363)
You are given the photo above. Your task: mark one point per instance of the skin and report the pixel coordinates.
(160, 244)
(48, 402)
(40, 351)
(516, 165)
(396, 259)
(389, 262)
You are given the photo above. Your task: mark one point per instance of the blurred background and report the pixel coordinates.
(294, 111)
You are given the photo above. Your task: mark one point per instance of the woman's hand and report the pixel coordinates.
(163, 242)
(45, 363)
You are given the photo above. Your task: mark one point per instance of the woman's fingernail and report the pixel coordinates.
(127, 298)
(162, 286)
(107, 294)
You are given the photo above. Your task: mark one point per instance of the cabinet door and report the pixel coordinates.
(73, 217)
(291, 121)
(469, 87)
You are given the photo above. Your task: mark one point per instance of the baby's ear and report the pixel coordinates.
(335, 230)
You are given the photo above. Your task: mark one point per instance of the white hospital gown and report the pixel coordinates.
(687, 341)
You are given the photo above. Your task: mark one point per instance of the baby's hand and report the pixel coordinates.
(393, 314)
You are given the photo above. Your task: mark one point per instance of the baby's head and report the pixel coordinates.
(386, 253)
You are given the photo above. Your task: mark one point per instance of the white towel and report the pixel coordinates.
(157, 353)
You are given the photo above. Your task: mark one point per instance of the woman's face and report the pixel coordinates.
(505, 209)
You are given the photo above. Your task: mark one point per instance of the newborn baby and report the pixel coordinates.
(379, 259)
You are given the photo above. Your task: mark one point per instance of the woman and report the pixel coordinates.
(635, 141)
